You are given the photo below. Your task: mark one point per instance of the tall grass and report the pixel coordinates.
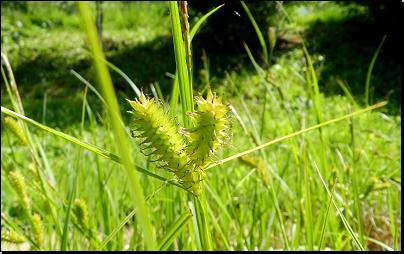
(273, 197)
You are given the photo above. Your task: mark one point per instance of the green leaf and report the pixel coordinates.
(174, 231)
(182, 68)
(378, 105)
(257, 30)
(370, 70)
(199, 23)
(127, 218)
(84, 144)
(122, 142)
(350, 231)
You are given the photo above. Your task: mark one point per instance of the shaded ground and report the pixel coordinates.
(349, 45)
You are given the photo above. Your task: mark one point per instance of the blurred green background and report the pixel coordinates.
(44, 41)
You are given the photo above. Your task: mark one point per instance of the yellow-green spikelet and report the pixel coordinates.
(210, 129)
(187, 162)
(162, 136)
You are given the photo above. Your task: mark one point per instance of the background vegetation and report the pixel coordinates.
(45, 41)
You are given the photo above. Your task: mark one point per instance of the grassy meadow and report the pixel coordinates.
(314, 159)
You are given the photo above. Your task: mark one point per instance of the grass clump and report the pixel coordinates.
(275, 197)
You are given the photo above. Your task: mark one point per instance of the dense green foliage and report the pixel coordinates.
(252, 199)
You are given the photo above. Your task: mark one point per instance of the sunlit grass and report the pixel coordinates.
(240, 207)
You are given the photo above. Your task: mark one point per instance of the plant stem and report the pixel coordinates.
(202, 219)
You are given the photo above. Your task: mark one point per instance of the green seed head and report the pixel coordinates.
(162, 140)
(81, 212)
(11, 237)
(18, 183)
(37, 229)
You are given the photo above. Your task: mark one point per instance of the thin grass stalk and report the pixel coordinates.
(367, 84)
(346, 91)
(271, 190)
(326, 217)
(180, 59)
(113, 67)
(316, 99)
(44, 108)
(170, 208)
(378, 105)
(17, 104)
(127, 218)
(174, 230)
(344, 221)
(187, 105)
(174, 97)
(122, 143)
(65, 236)
(355, 180)
(309, 214)
(256, 137)
(86, 145)
(218, 228)
(258, 31)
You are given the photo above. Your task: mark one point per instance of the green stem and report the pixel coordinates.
(370, 71)
(202, 219)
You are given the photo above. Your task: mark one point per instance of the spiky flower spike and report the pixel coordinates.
(167, 145)
(210, 131)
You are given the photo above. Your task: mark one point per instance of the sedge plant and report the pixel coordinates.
(185, 153)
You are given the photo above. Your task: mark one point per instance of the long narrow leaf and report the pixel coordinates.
(257, 30)
(350, 231)
(199, 23)
(108, 92)
(84, 144)
(127, 218)
(370, 70)
(378, 105)
(174, 231)
(326, 216)
(182, 69)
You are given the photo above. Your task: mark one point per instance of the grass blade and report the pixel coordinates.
(84, 144)
(258, 31)
(174, 97)
(346, 91)
(124, 221)
(113, 67)
(174, 231)
(370, 70)
(65, 235)
(108, 91)
(350, 231)
(199, 23)
(182, 69)
(378, 105)
(218, 228)
(326, 216)
(309, 213)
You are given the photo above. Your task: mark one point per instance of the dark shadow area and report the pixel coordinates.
(349, 45)
(223, 33)
(144, 64)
